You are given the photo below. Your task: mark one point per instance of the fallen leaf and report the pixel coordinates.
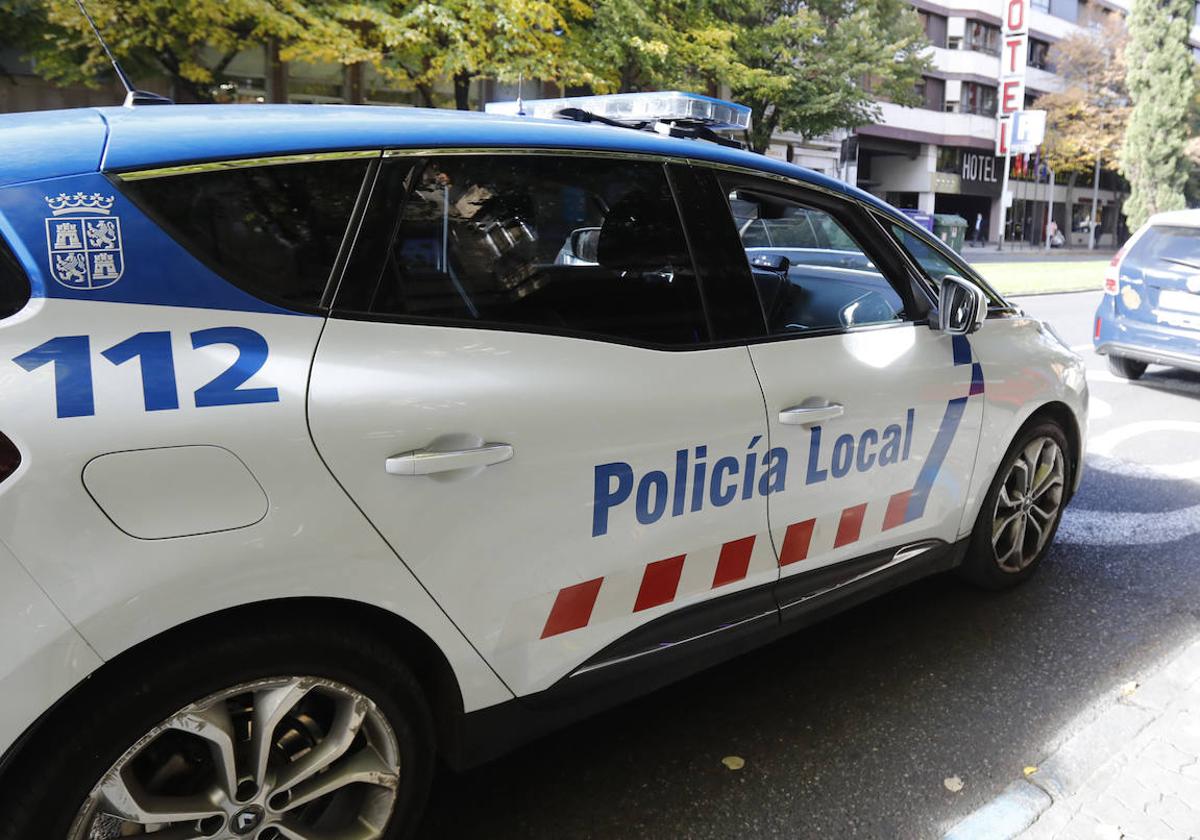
(1128, 688)
(953, 784)
(734, 762)
(1029, 771)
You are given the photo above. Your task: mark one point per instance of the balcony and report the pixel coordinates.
(937, 124)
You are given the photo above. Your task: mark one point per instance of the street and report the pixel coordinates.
(849, 728)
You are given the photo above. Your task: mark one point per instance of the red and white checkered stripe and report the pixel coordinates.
(674, 578)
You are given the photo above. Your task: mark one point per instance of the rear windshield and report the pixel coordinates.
(14, 285)
(1166, 248)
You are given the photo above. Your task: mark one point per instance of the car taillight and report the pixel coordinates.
(1112, 275)
(1096, 330)
(10, 457)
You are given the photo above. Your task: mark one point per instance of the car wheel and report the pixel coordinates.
(1022, 509)
(274, 733)
(1125, 368)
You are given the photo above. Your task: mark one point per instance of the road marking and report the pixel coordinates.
(1107, 443)
(1099, 409)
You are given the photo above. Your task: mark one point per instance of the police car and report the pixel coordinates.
(335, 441)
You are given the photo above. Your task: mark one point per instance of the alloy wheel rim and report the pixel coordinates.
(1028, 505)
(289, 758)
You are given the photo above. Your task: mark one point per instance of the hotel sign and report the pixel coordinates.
(1013, 52)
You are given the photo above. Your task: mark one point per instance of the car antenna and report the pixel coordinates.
(133, 96)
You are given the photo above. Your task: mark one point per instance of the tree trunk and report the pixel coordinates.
(1095, 201)
(277, 73)
(462, 90)
(1069, 214)
(426, 91)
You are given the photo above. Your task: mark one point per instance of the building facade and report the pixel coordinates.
(940, 157)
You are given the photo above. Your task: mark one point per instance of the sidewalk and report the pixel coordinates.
(1132, 773)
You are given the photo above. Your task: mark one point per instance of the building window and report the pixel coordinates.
(1042, 5)
(934, 26)
(1039, 55)
(932, 93)
(949, 159)
(983, 37)
(978, 99)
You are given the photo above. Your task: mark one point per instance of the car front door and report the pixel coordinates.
(520, 387)
(877, 412)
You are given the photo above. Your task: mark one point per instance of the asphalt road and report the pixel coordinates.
(849, 728)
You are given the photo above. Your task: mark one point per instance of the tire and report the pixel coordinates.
(323, 677)
(1004, 558)
(1125, 368)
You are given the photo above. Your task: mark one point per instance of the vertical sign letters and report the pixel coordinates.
(1014, 49)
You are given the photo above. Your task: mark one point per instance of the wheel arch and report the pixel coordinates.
(1061, 415)
(423, 656)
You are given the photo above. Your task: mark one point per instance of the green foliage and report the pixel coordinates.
(1161, 86)
(804, 66)
(1087, 117)
(811, 67)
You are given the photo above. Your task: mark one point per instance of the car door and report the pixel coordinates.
(520, 387)
(873, 408)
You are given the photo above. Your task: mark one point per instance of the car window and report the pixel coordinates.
(274, 231)
(935, 262)
(14, 285)
(810, 272)
(554, 243)
(1166, 248)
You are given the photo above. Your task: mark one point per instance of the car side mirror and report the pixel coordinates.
(962, 306)
(585, 244)
(771, 262)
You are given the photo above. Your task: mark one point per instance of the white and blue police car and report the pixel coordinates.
(338, 441)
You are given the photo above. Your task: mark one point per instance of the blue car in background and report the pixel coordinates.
(1151, 308)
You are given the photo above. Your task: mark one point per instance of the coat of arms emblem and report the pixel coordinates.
(84, 240)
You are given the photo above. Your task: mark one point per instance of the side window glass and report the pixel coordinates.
(559, 243)
(273, 231)
(934, 262)
(810, 272)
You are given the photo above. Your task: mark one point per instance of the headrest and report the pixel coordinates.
(641, 233)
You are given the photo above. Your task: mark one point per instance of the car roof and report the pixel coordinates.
(1176, 218)
(59, 143)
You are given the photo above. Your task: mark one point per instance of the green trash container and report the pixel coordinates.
(950, 229)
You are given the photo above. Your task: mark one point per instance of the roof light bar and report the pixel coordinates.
(657, 106)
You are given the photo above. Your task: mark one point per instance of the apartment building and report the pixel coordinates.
(940, 157)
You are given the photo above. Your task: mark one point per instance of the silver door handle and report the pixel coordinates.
(803, 415)
(426, 462)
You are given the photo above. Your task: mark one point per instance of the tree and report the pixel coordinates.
(191, 42)
(801, 65)
(1085, 121)
(1161, 87)
(812, 66)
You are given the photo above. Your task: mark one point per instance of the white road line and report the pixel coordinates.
(1107, 443)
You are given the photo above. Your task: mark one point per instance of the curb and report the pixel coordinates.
(1111, 725)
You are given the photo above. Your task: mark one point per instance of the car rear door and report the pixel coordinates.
(519, 386)
(877, 413)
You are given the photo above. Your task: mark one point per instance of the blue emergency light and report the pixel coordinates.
(636, 109)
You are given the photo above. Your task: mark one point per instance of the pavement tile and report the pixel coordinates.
(1165, 782)
(1083, 753)
(1166, 755)
(1176, 813)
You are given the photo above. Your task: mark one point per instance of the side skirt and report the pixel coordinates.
(683, 643)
